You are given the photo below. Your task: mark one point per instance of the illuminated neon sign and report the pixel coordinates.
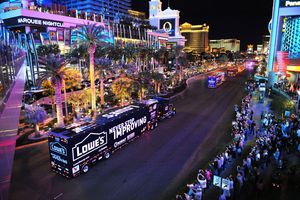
(290, 3)
(32, 21)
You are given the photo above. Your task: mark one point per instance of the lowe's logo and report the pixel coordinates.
(58, 148)
(89, 144)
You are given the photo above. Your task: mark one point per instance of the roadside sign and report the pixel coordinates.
(217, 181)
(225, 184)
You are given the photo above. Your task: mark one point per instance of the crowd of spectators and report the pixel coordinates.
(287, 87)
(272, 137)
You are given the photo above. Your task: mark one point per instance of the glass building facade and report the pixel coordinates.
(284, 54)
(110, 9)
(291, 37)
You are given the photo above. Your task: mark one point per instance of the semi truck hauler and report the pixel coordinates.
(74, 149)
(165, 108)
(215, 80)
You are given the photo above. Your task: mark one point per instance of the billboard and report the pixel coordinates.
(60, 34)
(168, 25)
(67, 36)
(45, 37)
(53, 36)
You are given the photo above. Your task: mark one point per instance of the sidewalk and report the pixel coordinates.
(289, 180)
(213, 192)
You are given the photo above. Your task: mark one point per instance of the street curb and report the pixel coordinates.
(173, 98)
(30, 145)
(188, 82)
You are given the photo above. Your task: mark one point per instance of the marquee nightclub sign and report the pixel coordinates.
(32, 21)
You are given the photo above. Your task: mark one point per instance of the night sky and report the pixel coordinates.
(244, 20)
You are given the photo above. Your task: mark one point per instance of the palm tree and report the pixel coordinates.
(92, 35)
(142, 83)
(158, 80)
(115, 53)
(103, 70)
(177, 53)
(143, 56)
(101, 51)
(54, 68)
(182, 60)
(163, 55)
(46, 50)
(35, 115)
(130, 53)
(77, 99)
(121, 87)
(50, 92)
(79, 53)
(71, 80)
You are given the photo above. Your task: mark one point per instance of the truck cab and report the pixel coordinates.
(166, 110)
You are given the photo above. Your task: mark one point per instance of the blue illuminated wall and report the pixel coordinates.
(48, 2)
(291, 42)
(285, 16)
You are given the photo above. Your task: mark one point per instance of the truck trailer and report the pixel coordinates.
(74, 149)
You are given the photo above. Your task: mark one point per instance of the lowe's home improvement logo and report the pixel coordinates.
(58, 148)
(89, 144)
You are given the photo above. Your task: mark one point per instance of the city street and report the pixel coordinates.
(154, 166)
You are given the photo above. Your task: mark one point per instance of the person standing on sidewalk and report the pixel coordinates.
(252, 127)
(208, 175)
(276, 155)
(240, 181)
(222, 196)
(231, 187)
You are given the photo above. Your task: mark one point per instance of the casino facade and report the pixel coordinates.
(284, 54)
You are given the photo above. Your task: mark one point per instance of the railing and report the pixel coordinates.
(61, 10)
(11, 59)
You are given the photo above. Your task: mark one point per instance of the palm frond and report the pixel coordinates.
(52, 67)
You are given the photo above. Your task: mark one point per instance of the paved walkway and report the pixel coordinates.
(9, 121)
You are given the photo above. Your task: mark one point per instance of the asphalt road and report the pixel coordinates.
(152, 167)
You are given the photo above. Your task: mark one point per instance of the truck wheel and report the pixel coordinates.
(107, 155)
(85, 168)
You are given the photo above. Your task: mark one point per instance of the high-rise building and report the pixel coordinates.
(266, 44)
(225, 45)
(284, 56)
(110, 9)
(250, 49)
(137, 14)
(196, 37)
(167, 21)
(259, 49)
